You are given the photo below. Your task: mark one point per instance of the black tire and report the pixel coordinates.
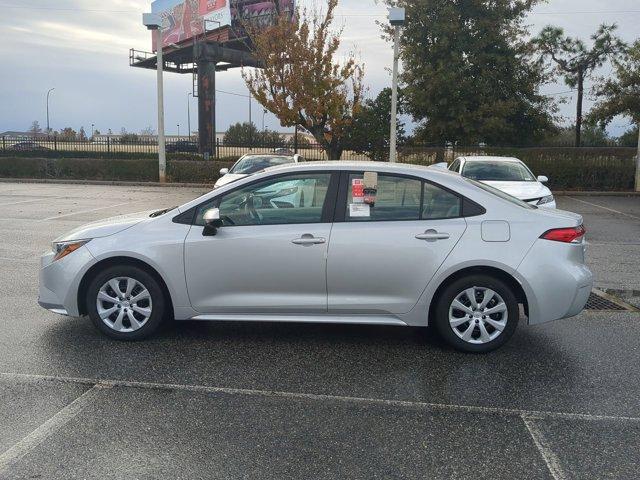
(158, 302)
(441, 319)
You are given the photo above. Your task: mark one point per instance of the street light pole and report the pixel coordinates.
(48, 93)
(153, 22)
(250, 126)
(637, 182)
(189, 114)
(396, 18)
(178, 130)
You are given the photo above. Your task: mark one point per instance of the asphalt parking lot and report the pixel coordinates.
(231, 400)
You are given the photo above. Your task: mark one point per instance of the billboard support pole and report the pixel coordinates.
(207, 106)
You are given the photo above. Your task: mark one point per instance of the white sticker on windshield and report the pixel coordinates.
(359, 210)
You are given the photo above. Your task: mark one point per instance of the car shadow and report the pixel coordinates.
(354, 360)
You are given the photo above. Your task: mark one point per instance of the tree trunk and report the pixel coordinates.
(334, 152)
(579, 106)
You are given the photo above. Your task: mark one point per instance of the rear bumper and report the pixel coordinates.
(558, 281)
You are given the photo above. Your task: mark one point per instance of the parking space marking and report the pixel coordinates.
(48, 428)
(22, 201)
(322, 397)
(605, 208)
(55, 217)
(550, 458)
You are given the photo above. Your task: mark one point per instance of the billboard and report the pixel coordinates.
(185, 19)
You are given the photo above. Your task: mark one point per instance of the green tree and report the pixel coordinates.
(369, 133)
(241, 133)
(269, 137)
(628, 138)
(469, 74)
(620, 95)
(574, 61)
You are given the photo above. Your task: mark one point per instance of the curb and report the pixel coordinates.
(586, 193)
(105, 182)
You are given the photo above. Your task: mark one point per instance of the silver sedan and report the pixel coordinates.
(335, 242)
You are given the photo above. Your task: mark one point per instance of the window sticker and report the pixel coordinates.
(359, 210)
(357, 190)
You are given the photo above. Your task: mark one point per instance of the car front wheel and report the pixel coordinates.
(478, 313)
(125, 302)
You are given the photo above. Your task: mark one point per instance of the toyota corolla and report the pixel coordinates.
(335, 242)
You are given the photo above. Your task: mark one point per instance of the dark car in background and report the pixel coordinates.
(182, 146)
(27, 146)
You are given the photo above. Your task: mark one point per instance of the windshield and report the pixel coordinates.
(501, 194)
(256, 163)
(498, 171)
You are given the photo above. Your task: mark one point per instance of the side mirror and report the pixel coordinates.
(212, 221)
(542, 179)
(224, 171)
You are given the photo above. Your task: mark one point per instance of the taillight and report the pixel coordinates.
(566, 235)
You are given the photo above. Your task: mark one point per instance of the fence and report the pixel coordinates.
(147, 146)
(587, 168)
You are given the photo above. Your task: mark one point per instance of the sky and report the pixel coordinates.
(81, 48)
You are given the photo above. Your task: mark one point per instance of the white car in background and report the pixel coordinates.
(252, 163)
(508, 174)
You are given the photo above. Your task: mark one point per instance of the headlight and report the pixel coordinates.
(62, 249)
(547, 199)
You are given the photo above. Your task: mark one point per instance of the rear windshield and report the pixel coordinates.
(256, 163)
(497, 171)
(501, 194)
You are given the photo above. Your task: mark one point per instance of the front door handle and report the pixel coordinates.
(308, 239)
(432, 235)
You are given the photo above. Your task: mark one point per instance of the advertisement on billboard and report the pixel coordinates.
(185, 19)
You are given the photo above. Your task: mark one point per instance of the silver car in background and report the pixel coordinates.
(334, 242)
(254, 162)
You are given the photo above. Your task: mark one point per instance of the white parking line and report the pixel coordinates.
(605, 208)
(321, 397)
(22, 201)
(550, 458)
(40, 434)
(87, 211)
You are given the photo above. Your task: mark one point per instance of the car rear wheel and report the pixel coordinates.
(478, 313)
(125, 302)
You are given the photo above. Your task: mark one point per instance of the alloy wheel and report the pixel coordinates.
(478, 315)
(124, 304)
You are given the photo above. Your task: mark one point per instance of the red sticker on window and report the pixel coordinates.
(357, 187)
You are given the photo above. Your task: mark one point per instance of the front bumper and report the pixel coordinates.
(59, 281)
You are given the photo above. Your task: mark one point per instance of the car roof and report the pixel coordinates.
(399, 168)
(488, 158)
(267, 155)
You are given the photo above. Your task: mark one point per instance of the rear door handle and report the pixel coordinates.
(432, 235)
(308, 239)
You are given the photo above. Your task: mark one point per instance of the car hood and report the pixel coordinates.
(521, 190)
(105, 227)
(228, 178)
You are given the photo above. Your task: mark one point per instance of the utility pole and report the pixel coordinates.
(396, 19)
(250, 126)
(153, 22)
(637, 182)
(49, 92)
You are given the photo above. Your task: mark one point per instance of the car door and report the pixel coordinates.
(270, 254)
(381, 258)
